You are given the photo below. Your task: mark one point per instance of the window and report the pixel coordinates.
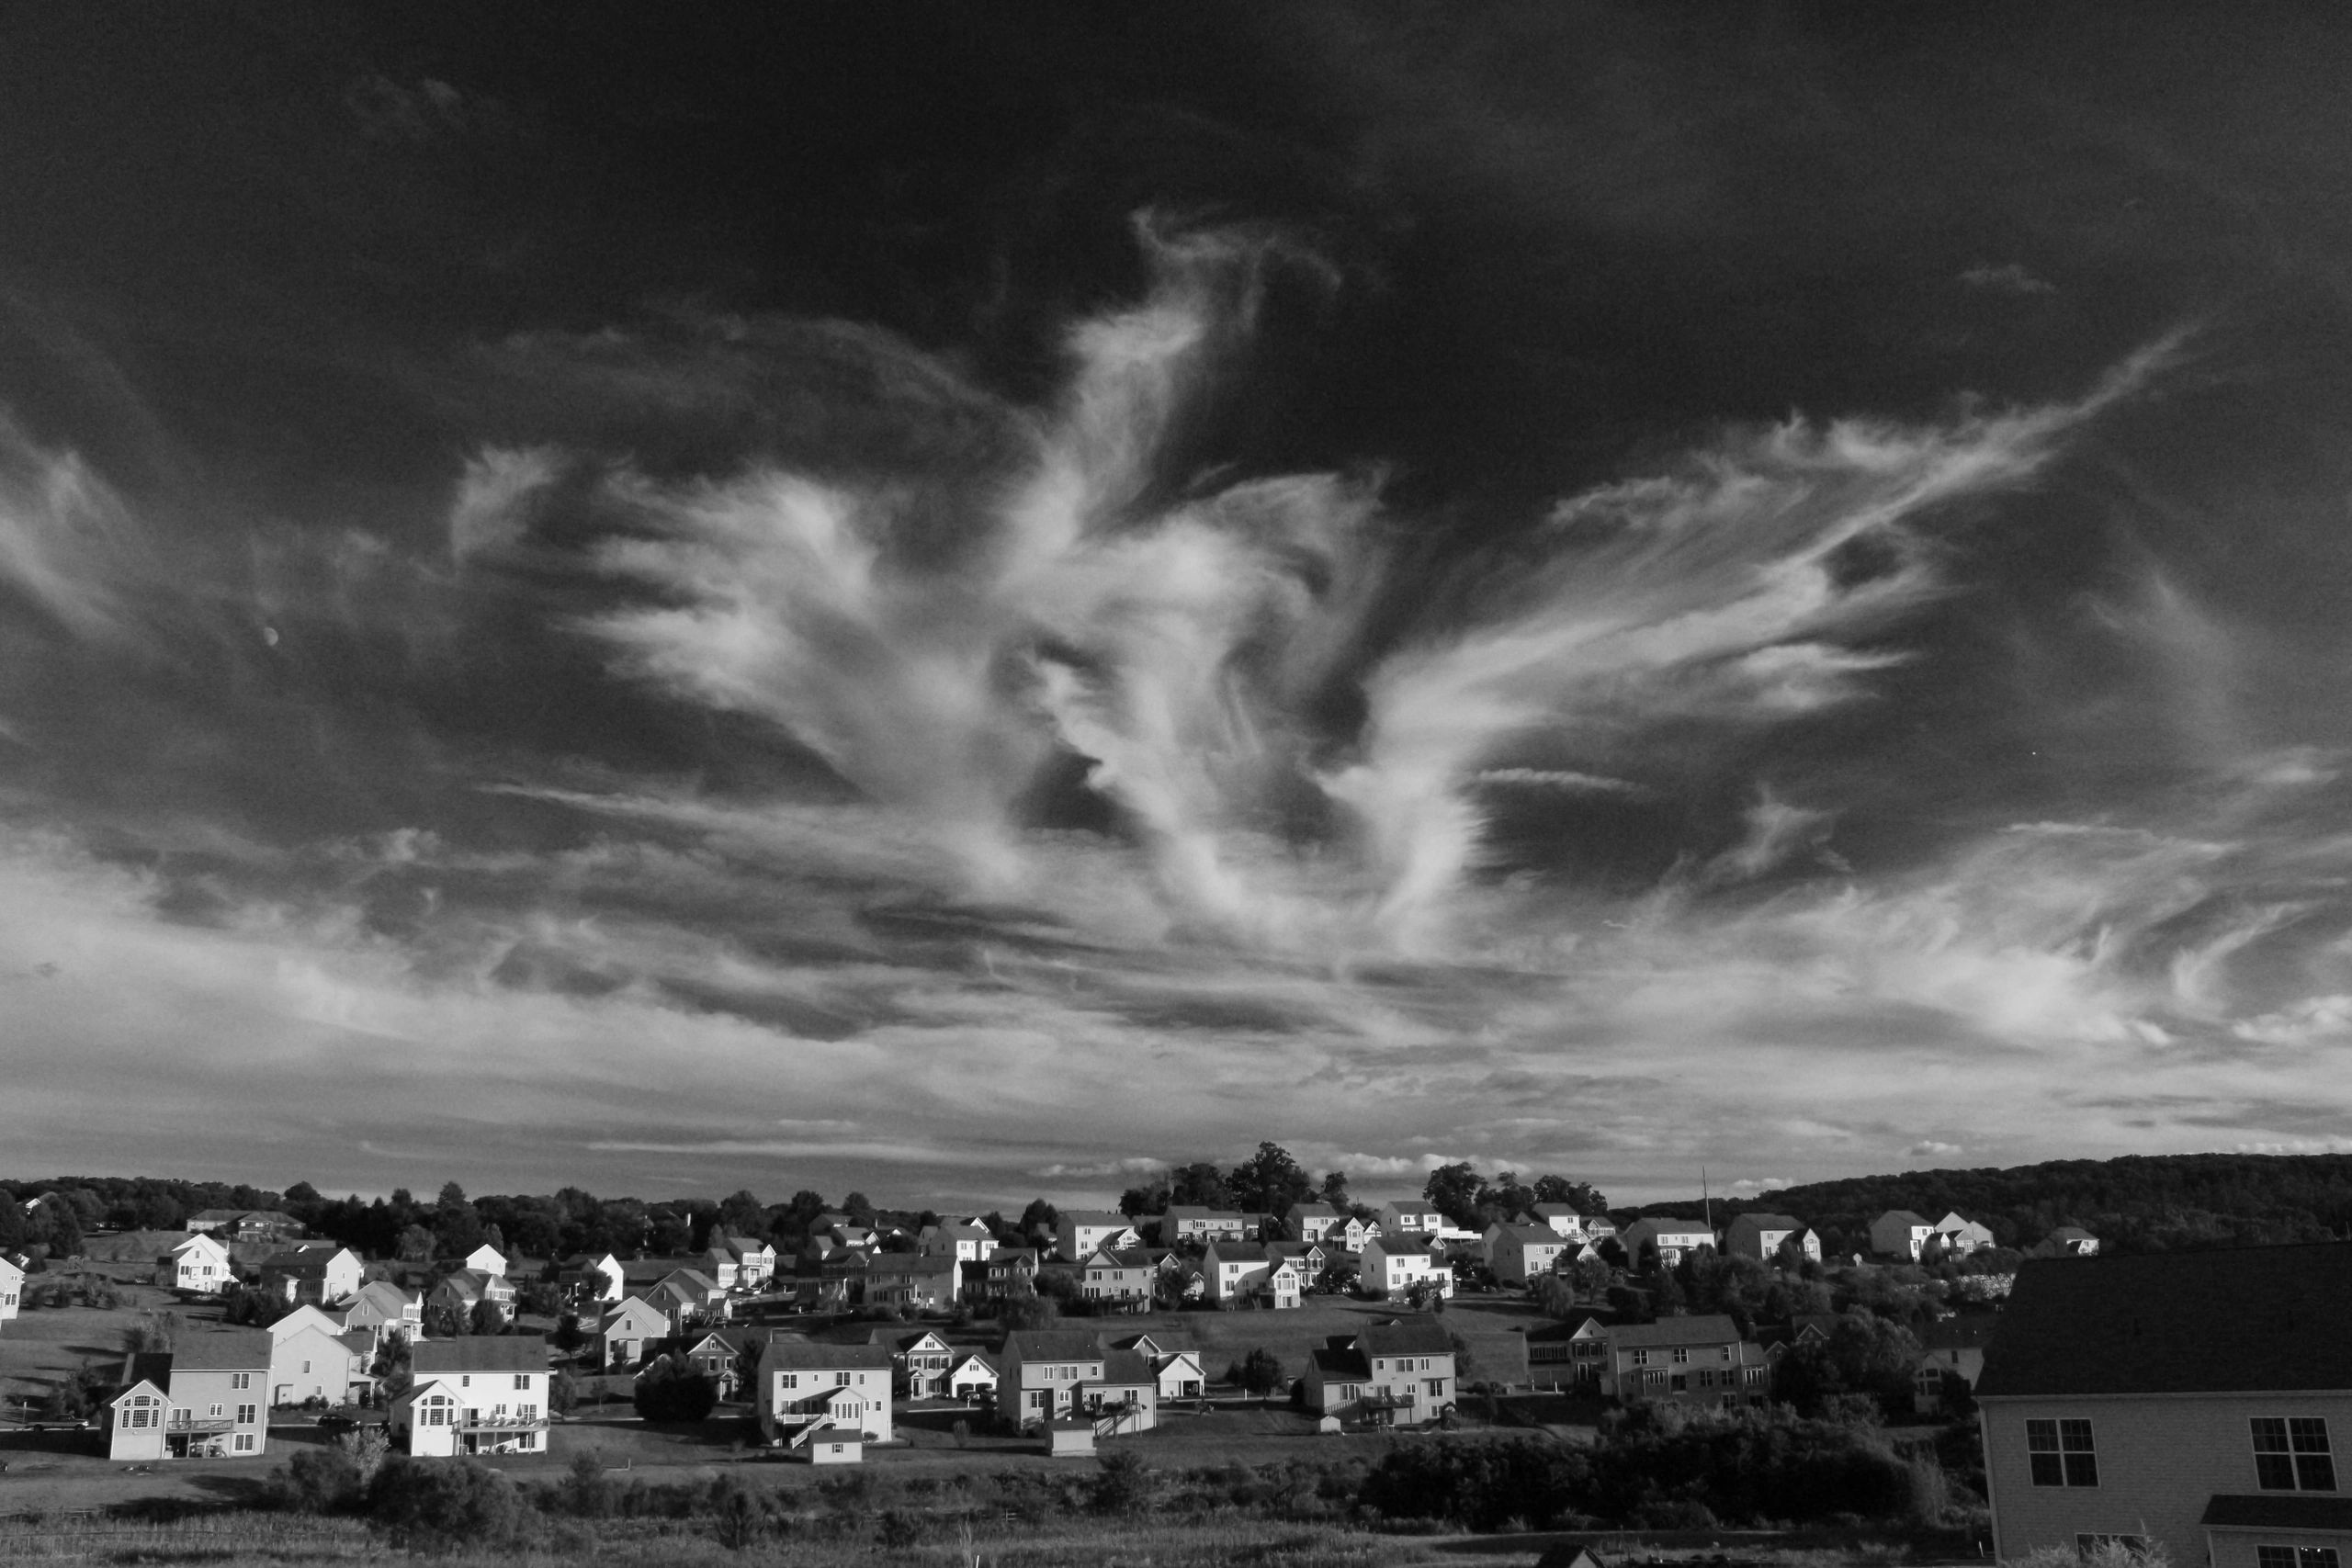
(244, 1442)
(1641, 1357)
(1680, 1382)
(2291, 1453)
(246, 1380)
(840, 1379)
(2059, 1453)
(216, 1410)
(1681, 1357)
(522, 1381)
(2295, 1557)
(244, 1414)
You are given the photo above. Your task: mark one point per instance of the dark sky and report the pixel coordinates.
(959, 600)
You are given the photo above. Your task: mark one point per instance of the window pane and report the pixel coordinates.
(2310, 1433)
(2270, 1438)
(2082, 1470)
(2046, 1471)
(2074, 1436)
(2275, 1557)
(2314, 1557)
(2274, 1473)
(2042, 1436)
(2316, 1472)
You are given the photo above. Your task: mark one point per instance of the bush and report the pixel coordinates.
(318, 1480)
(1123, 1483)
(446, 1505)
(1744, 1465)
(1477, 1485)
(1261, 1373)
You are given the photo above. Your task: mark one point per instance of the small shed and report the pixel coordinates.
(1328, 1426)
(1070, 1439)
(836, 1445)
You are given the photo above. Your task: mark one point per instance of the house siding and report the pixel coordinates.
(2161, 1458)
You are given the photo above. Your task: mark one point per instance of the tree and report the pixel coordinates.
(859, 1208)
(1452, 1191)
(1040, 1218)
(1504, 1197)
(1269, 1181)
(440, 1504)
(1335, 1189)
(1024, 1308)
(1123, 1484)
(1260, 1373)
(563, 1390)
(741, 1215)
(1554, 1296)
(1198, 1185)
(671, 1389)
(569, 1335)
(486, 1318)
(414, 1246)
(1582, 1196)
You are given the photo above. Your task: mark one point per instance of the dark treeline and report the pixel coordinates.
(2137, 1204)
(1269, 1181)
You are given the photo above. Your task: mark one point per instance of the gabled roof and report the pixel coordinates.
(1903, 1216)
(903, 1343)
(1764, 1221)
(1127, 1366)
(1051, 1345)
(1406, 1336)
(1700, 1328)
(2248, 1319)
(1340, 1361)
(229, 1349)
(804, 1356)
(482, 1353)
(634, 1309)
(384, 1297)
(153, 1368)
(1532, 1235)
(1239, 1251)
(968, 1356)
(1069, 1218)
(1580, 1322)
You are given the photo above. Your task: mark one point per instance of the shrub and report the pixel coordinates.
(671, 1390)
(1477, 1484)
(1123, 1483)
(1259, 1371)
(445, 1505)
(318, 1480)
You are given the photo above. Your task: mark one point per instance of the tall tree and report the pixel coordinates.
(1269, 1181)
(1452, 1191)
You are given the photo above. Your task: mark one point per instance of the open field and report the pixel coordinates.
(38, 1346)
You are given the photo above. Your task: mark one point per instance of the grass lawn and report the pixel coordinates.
(40, 1346)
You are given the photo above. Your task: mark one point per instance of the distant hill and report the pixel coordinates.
(2137, 1204)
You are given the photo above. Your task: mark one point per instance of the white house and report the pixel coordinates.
(12, 1288)
(317, 1271)
(201, 1399)
(1519, 1255)
(966, 1244)
(200, 1264)
(480, 1394)
(1175, 1362)
(313, 1357)
(589, 1278)
(385, 1312)
(1408, 1216)
(1389, 1267)
(806, 1387)
(1958, 1236)
(972, 1378)
(1761, 1237)
(487, 1258)
(1237, 1271)
(1672, 1240)
(755, 1261)
(1082, 1232)
(627, 1329)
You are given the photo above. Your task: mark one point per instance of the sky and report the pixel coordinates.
(962, 602)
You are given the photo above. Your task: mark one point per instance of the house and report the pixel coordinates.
(1398, 1373)
(384, 1312)
(480, 1394)
(312, 1356)
(1039, 1371)
(964, 1243)
(1569, 1354)
(704, 1297)
(318, 1272)
(1952, 1347)
(918, 1362)
(1564, 1219)
(754, 1260)
(1402, 1216)
(1315, 1222)
(806, 1387)
(715, 1354)
(1520, 1255)
(2071, 1241)
(1124, 1399)
(834, 1282)
(1309, 1258)
(720, 1266)
(201, 1399)
(1391, 1266)
(1121, 1281)
(1185, 1225)
(1957, 1236)
(1899, 1233)
(469, 1288)
(584, 1278)
(629, 1329)
(12, 1287)
(1670, 1240)
(1175, 1362)
(971, 1377)
(1698, 1359)
(200, 1264)
(488, 1260)
(1081, 1231)
(226, 1225)
(1238, 1273)
(1006, 1271)
(911, 1281)
(1761, 1236)
(2188, 1400)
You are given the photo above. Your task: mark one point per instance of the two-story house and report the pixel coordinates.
(1175, 1362)
(1761, 1238)
(479, 1394)
(312, 1356)
(754, 1260)
(1117, 1281)
(1313, 1221)
(1009, 1271)
(1519, 1255)
(1398, 1373)
(1957, 1236)
(1564, 1219)
(1699, 1359)
(468, 1288)
(1899, 1233)
(1569, 1354)
(1952, 1347)
(1081, 1232)
(2191, 1400)
(318, 1272)
(629, 1328)
(919, 1362)
(487, 1258)
(1189, 1226)
(806, 1387)
(204, 1398)
(1238, 1272)
(1401, 1217)
(963, 1242)
(384, 1312)
(1392, 1266)
(1048, 1375)
(12, 1287)
(1669, 1242)
(198, 1265)
(588, 1278)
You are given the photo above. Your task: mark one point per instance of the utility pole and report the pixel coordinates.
(1706, 1199)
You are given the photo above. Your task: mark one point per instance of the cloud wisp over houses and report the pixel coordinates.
(723, 719)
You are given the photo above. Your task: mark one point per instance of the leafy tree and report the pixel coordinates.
(741, 1215)
(1481, 1486)
(1452, 1191)
(859, 1208)
(1554, 1297)
(1258, 1372)
(415, 1245)
(1198, 1185)
(1504, 1197)
(486, 1318)
(1865, 1354)
(1038, 1219)
(1123, 1483)
(668, 1231)
(1269, 1181)
(1024, 1308)
(153, 1332)
(563, 1390)
(671, 1389)
(1335, 1189)
(569, 1335)
(584, 1492)
(1581, 1195)
(318, 1480)
(441, 1504)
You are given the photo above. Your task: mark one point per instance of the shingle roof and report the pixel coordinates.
(1532, 1235)
(2275, 1512)
(239, 1349)
(800, 1356)
(482, 1353)
(1339, 1362)
(2252, 1319)
(1763, 1222)
(1700, 1328)
(1959, 1333)
(1051, 1345)
(1127, 1366)
(1406, 1336)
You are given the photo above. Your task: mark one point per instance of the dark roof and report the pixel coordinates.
(1700, 1328)
(1571, 1327)
(1051, 1345)
(149, 1366)
(2276, 1512)
(237, 1349)
(2250, 1319)
(800, 1356)
(482, 1353)
(1127, 1366)
(1764, 1221)
(1340, 1361)
(1406, 1336)
(1958, 1333)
